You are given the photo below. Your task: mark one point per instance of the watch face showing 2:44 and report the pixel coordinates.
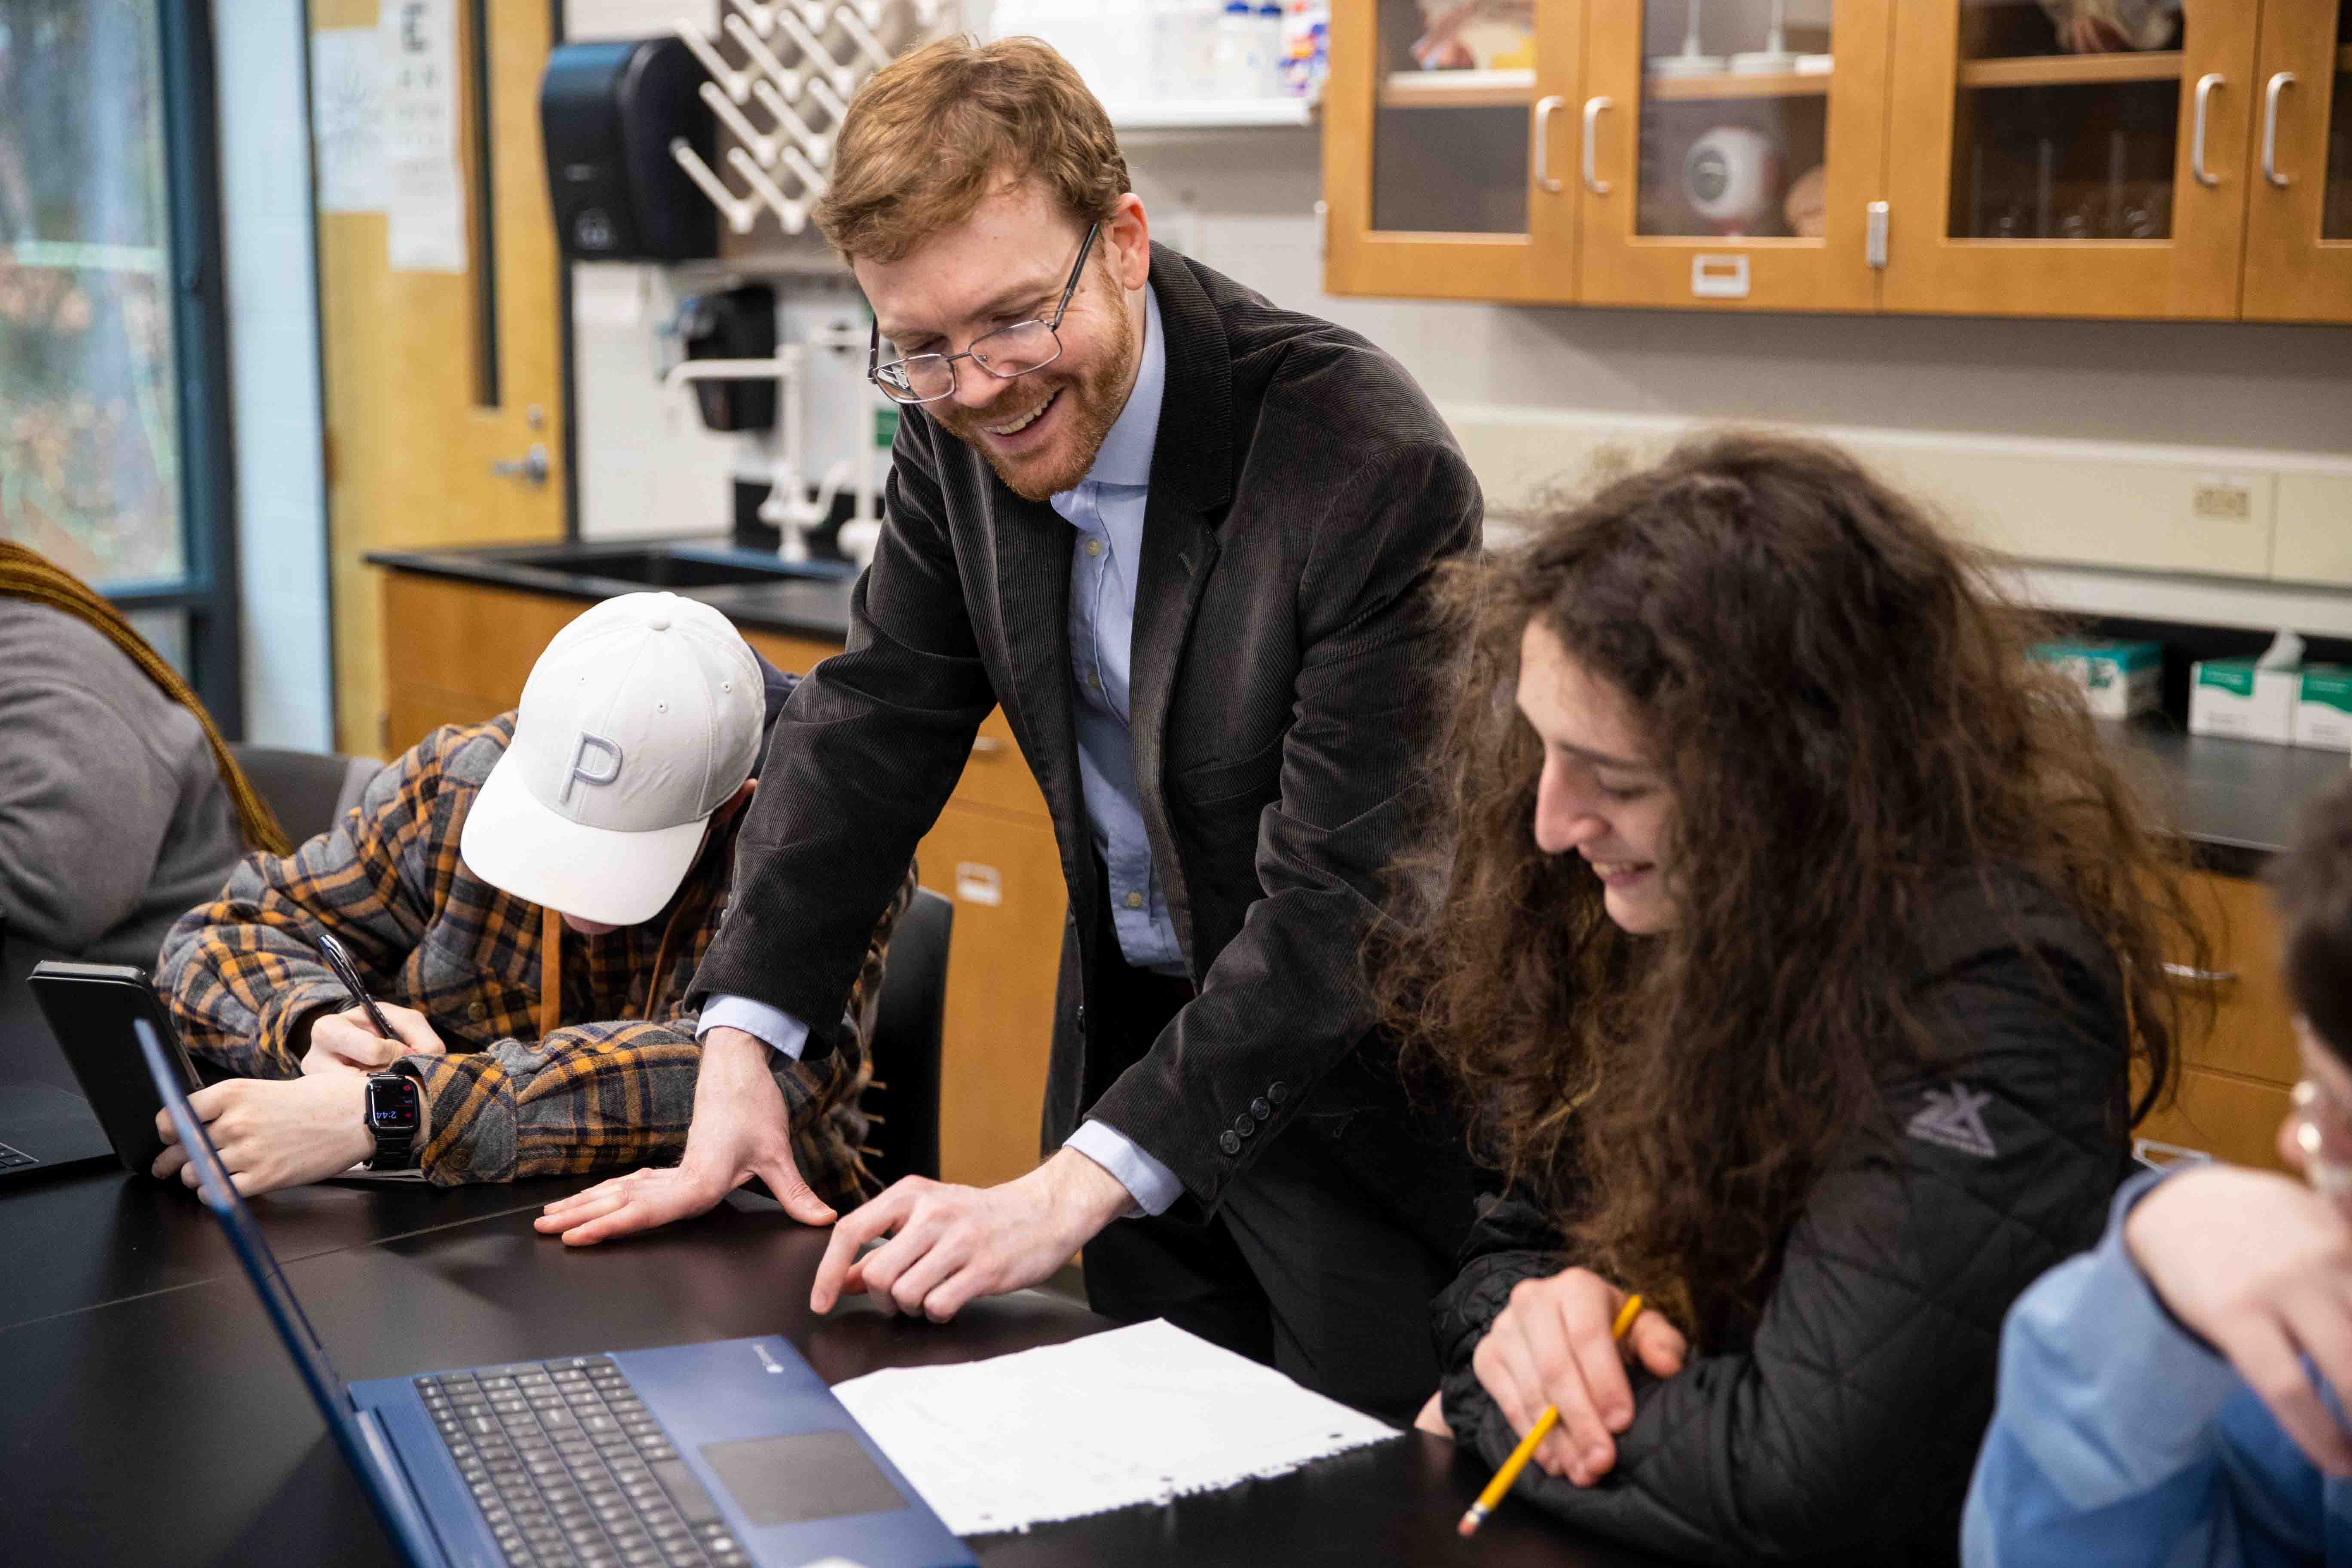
(393, 1103)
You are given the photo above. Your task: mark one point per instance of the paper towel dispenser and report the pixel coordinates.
(607, 113)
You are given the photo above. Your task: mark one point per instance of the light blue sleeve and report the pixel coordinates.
(2107, 1445)
(1152, 1184)
(779, 1028)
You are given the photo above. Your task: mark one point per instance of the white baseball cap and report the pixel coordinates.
(640, 720)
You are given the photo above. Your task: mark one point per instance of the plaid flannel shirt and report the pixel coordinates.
(244, 980)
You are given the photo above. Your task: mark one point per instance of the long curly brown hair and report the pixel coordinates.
(1846, 716)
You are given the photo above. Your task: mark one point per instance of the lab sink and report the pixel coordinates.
(675, 566)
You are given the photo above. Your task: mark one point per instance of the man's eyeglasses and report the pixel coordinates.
(1004, 353)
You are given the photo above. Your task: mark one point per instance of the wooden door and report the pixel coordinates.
(440, 332)
(2024, 180)
(2299, 216)
(1738, 147)
(1449, 161)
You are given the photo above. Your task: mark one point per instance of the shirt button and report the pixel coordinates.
(1082, 1017)
(1094, 547)
(478, 1010)
(1231, 1144)
(1260, 1108)
(1278, 1093)
(1243, 1125)
(1134, 901)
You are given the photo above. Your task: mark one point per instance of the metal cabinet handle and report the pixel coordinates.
(2205, 86)
(2183, 972)
(1545, 107)
(532, 466)
(1592, 108)
(2271, 94)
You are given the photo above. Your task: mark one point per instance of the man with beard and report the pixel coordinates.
(1183, 538)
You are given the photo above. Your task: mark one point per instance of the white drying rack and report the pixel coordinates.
(784, 166)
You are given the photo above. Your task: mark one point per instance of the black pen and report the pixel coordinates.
(340, 960)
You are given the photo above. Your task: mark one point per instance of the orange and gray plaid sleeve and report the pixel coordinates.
(593, 1096)
(242, 973)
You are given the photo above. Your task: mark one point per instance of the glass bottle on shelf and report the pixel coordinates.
(2066, 120)
(1450, 148)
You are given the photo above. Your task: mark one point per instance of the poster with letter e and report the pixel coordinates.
(424, 198)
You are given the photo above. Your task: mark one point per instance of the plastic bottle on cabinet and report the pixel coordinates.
(1265, 66)
(1167, 35)
(1203, 19)
(1306, 46)
(1236, 27)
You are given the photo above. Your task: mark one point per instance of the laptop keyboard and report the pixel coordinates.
(570, 1468)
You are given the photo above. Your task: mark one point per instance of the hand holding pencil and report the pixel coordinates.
(1555, 1363)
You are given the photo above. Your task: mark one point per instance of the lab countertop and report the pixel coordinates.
(2234, 800)
(815, 604)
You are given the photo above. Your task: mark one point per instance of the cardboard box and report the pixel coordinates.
(2119, 679)
(2323, 708)
(2232, 697)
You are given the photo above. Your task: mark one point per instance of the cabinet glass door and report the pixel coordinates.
(1445, 127)
(1731, 151)
(2299, 222)
(2070, 157)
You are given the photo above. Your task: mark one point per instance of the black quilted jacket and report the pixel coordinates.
(1844, 1428)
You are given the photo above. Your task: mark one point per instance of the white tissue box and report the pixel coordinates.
(2233, 697)
(2118, 680)
(2323, 707)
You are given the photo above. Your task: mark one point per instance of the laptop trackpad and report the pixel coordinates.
(801, 1477)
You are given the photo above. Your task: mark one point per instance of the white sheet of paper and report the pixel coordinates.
(1131, 1415)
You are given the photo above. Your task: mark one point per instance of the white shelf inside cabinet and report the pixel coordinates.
(1210, 113)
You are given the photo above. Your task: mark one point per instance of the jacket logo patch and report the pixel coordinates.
(1954, 1118)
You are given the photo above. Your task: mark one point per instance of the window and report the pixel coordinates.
(113, 444)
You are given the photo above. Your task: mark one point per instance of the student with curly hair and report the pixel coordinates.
(1791, 941)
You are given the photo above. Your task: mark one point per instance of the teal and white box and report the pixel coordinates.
(2236, 696)
(2119, 679)
(2323, 708)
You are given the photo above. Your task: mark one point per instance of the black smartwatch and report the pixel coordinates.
(396, 1110)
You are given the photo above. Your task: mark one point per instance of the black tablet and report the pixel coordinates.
(89, 1007)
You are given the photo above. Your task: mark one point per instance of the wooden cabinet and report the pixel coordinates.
(1449, 183)
(1932, 156)
(2026, 182)
(1003, 872)
(458, 652)
(2237, 1073)
(2299, 196)
(1732, 165)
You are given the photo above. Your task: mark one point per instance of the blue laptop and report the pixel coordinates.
(728, 1453)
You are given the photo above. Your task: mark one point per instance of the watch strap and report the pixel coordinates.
(393, 1151)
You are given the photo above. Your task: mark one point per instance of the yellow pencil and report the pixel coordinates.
(1527, 1445)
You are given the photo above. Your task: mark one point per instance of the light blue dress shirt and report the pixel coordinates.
(1106, 508)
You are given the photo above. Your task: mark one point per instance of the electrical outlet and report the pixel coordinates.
(2223, 498)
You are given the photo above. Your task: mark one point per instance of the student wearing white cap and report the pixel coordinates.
(527, 900)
